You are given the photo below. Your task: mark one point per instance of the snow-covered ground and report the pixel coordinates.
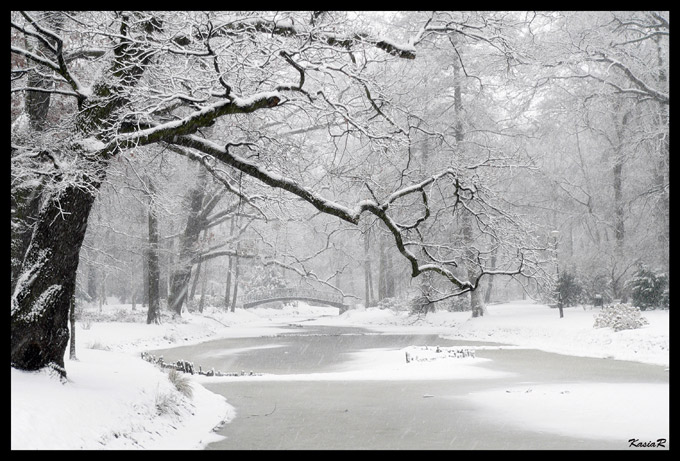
(114, 400)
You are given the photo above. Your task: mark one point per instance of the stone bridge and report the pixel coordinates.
(295, 294)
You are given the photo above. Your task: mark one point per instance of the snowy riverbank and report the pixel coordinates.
(114, 400)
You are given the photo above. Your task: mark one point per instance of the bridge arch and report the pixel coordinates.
(295, 294)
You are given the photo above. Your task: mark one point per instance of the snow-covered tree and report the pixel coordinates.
(238, 93)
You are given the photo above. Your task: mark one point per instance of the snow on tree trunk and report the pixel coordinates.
(179, 280)
(476, 302)
(72, 319)
(42, 297)
(154, 312)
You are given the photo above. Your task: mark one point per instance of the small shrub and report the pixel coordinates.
(99, 346)
(181, 382)
(665, 299)
(459, 303)
(421, 305)
(648, 289)
(166, 404)
(119, 315)
(620, 317)
(393, 304)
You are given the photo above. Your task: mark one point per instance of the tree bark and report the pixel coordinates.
(154, 311)
(489, 287)
(38, 102)
(194, 285)
(661, 176)
(42, 297)
(236, 273)
(476, 302)
(230, 268)
(72, 318)
(26, 205)
(204, 284)
(386, 275)
(619, 159)
(179, 280)
(367, 268)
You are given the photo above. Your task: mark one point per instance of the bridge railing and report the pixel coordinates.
(293, 293)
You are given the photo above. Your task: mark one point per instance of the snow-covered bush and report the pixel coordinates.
(648, 289)
(393, 304)
(181, 382)
(167, 403)
(421, 305)
(597, 287)
(459, 303)
(620, 317)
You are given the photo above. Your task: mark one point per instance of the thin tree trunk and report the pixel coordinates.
(204, 284)
(476, 302)
(661, 176)
(385, 275)
(145, 280)
(617, 186)
(194, 285)
(227, 290)
(102, 292)
(154, 311)
(489, 287)
(72, 318)
(179, 280)
(367, 267)
(38, 102)
(92, 281)
(619, 229)
(236, 273)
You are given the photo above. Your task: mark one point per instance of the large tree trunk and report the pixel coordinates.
(42, 296)
(25, 207)
(46, 283)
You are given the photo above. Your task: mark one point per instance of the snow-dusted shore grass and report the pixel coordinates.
(114, 400)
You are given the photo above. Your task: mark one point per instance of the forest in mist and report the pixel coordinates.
(435, 160)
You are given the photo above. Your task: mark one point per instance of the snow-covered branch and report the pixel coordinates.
(643, 88)
(199, 119)
(287, 28)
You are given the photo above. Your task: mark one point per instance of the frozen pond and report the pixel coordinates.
(303, 411)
